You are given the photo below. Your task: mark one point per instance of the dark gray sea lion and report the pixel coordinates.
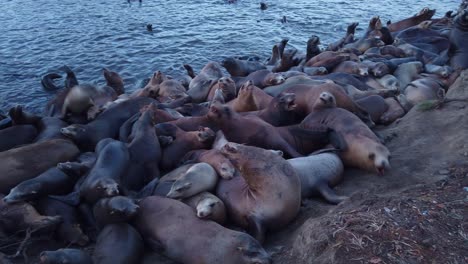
(65, 255)
(458, 40)
(313, 48)
(14, 136)
(241, 68)
(48, 82)
(201, 242)
(113, 210)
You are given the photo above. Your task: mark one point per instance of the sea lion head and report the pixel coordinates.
(205, 134)
(206, 206)
(25, 191)
(274, 79)
(286, 102)
(326, 99)
(251, 251)
(74, 131)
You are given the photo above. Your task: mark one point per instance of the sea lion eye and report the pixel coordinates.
(212, 205)
(372, 156)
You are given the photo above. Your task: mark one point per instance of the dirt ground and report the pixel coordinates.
(416, 213)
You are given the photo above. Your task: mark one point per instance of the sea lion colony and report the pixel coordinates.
(203, 167)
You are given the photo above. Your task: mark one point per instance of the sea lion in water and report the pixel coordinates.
(199, 87)
(458, 38)
(48, 82)
(15, 164)
(65, 255)
(118, 244)
(207, 206)
(267, 197)
(318, 173)
(104, 178)
(363, 149)
(201, 242)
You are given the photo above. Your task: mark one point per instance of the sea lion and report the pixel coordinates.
(183, 143)
(424, 89)
(218, 161)
(280, 111)
(363, 149)
(313, 48)
(65, 255)
(389, 82)
(15, 164)
(300, 79)
(395, 111)
(198, 178)
(113, 210)
(114, 81)
(423, 15)
(22, 216)
(151, 89)
(312, 71)
(250, 98)
(407, 72)
(170, 90)
(266, 197)
(207, 206)
(48, 81)
(145, 151)
(104, 178)
(200, 85)
(375, 105)
(377, 69)
(69, 230)
(352, 67)
(201, 242)
(259, 132)
(318, 173)
(106, 125)
(14, 136)
(348, 38)
(261, 79)
(118, 244)
(458, 38)
(364, 44)
(57, 180)
(442, 71)
(227, 87)
(241, 68)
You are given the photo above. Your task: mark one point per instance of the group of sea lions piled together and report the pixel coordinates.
(201, 168)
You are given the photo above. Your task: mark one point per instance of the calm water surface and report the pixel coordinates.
(38, 36)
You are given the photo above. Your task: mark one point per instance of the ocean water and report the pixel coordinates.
(39, 36)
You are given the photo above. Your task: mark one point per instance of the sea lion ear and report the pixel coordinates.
(200, 128)
(230, 147)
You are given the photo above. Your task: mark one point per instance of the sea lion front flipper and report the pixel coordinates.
(337, 140)
(330, 195)
(126, 128)
(256, 229)
(148, 190)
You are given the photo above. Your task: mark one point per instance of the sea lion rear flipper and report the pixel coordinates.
(256, 229)
(330, 195)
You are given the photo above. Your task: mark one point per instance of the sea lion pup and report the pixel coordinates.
(106, 125)
(363, 149)
(280, 111)
(423, 15)
(14, 136)
(117, 209)
(22, 216)
(69, 230)
(48, 127)
(458, 51)
(15, 164)
(183, 143)
(145, 151)
(57, 180)
(261, 79)
(197, 178)
(259, 132)
(267, 196)
(241, 68)
(201, 242)
(104, 178)
(200, 85)
(65, 255)
(227, 87)
(352, 67)
(118, 244)
(207, 206)
(218, 161)
(318, 173)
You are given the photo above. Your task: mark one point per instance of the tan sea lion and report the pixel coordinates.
(207, 206)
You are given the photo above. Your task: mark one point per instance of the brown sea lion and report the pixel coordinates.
(280, 111)
(22, 216)
(318, 174)
(348, 38)
(424, 89)
(151, 89)
(114, 81)
(207, 206)
(259, 132)
(170, 90)
(352, 68)
(199, 87)
(363, 149)
(375, 105)
(261, 79)
(364, 44)
(218, 161)
(250, 98)
(69, 230)
(15, 136)
(268, 194)
(300, 79)
(65, 255)
(24, 163)
(106, 125)
(241, 68)
(313, 48)
(113, 210)
(408, 72)
(183, 143)
(118, 244)
(104, 178)
(395, 111)
(160, 220)
(227, 86)
(424, 14)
